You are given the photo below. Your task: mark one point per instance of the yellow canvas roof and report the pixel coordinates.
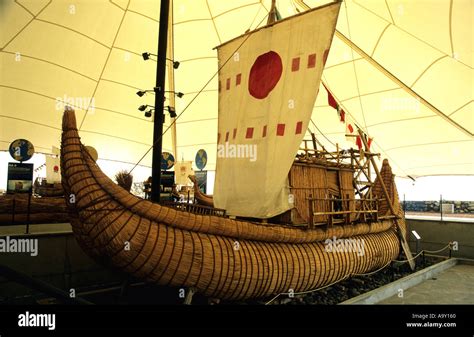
(401, 69)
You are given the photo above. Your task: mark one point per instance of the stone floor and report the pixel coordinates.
(453, 286)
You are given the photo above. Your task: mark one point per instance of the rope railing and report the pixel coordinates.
(355, 274)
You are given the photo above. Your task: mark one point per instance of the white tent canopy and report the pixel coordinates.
(403, 70)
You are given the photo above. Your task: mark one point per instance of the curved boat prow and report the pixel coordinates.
(201, 198)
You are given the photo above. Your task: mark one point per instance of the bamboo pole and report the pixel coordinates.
(171, 87)
(403, 240)
(272, 14)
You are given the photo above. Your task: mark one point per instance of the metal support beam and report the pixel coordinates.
(159, 102)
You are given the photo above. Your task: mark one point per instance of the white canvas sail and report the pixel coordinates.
(53, 169)
(267, 90)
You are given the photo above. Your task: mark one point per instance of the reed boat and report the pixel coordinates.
(218, 256)
(23, 208)
(45, 189)
(271, 223)
(45, 205)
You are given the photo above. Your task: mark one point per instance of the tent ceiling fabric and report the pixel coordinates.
(402, 69)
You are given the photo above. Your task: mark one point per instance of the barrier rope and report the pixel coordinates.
(449, 245)
(408, 260)
(437, 251)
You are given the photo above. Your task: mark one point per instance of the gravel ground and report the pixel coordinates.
(355, 286)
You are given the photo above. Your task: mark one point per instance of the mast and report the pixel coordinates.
(171, 87)
(159, 101)
(272, 15)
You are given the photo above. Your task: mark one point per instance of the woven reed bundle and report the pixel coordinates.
(219, 257)
(387, 177)
(42, 210)
(56, 191)
(37, 205)
(51, 190)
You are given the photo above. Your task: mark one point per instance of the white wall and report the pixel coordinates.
(430, 188)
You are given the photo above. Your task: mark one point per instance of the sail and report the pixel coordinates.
(53, 170)
(268, 83)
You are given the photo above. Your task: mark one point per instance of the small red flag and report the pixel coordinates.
(350, 128)
(331, 100)
(359, 142)
(342, 115)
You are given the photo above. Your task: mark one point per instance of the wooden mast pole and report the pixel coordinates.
(272, 13)
(402, 238)
(159, 102)
(171, 86)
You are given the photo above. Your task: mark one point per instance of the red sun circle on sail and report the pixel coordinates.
(265, 74)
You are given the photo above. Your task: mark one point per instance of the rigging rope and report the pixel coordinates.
(322, 134)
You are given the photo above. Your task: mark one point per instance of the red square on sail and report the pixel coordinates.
(299, 128)
(227, 85)
(249, 133)
(312, 61)
(295, 64)
(264, 133)
(238, 79)
(280, 129)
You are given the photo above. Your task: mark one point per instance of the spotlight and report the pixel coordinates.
(172, 112)
(148, 113)
(143, 92)
(146, 56)
(142, 107)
